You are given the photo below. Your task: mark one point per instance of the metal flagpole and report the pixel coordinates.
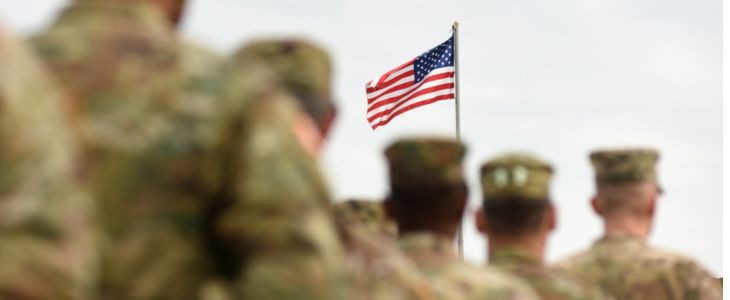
(455, 28)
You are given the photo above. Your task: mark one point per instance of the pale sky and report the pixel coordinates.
(556, 78)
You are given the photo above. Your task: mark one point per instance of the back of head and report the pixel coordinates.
(516, 193)
(427, 185)
(626, 180)
(302, 68)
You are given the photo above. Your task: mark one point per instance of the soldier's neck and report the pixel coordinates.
(627, 226)
(446, 231)
(534, 244)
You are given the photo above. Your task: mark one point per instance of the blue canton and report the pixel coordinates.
(438, 57)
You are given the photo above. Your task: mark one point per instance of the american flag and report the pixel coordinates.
(423, 80)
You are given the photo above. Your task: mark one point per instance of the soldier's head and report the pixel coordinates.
(516, 197)
(302, 68)
(427, 188)
(626, 183)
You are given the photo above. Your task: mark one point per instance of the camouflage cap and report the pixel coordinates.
(425, 161)
(625, 165)
(516, 175)
(302, 67)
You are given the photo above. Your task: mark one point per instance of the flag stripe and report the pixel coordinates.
(404, 78)
(428, 82)
(408, 85)
(423, 80)
(391, 108)
(396, 71)
(433, 86)
(388, 80)
(412, 106)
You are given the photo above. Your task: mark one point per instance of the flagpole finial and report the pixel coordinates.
(455, 25)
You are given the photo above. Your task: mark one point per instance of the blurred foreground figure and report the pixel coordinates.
(427, 201)
(46, 233)
(621, 262)
(273, 227)
(517, 218)
(143, 103)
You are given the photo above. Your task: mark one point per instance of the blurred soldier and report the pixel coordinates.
(46, 236)
(273, 226)
(144, 104)
(621, 262)
(427, 201)
(517, 218)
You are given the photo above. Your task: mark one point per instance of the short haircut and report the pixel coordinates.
(514, 216)
(624, 197)
(429, 204)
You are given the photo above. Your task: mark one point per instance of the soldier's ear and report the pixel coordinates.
(552, 217)
(596, 205)
(651, 207)
(329, 121)
(480, 220)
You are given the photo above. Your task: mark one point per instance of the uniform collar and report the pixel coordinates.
(118, 13)
(511, 256)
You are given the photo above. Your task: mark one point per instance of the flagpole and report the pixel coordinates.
(455, 28)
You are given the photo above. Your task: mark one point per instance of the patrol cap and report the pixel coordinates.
(417, 162)
(625, 165)
(516, 175)
(303, 68)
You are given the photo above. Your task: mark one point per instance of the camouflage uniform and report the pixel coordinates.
(144, 104)
(364, 215)
(523, 176)
(273, 223)
(438, 162)
(46, 244)
(625, 266)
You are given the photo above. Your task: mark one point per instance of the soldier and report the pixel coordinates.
(144, 107)
(621, 262)
(517, 216)
(46, 236)
(427, 200)
(273, 223)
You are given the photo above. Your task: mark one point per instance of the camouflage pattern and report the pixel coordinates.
(626, 268)
(455, 279)
(625, 165)
(144, 104)
(548, 283)
(425, 161)
(272, 223)
(275, 221)
(46, 237)
(516, 175)
(302, 67)
(367, 215)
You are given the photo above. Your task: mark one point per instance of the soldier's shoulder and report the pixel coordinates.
(487, 282)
